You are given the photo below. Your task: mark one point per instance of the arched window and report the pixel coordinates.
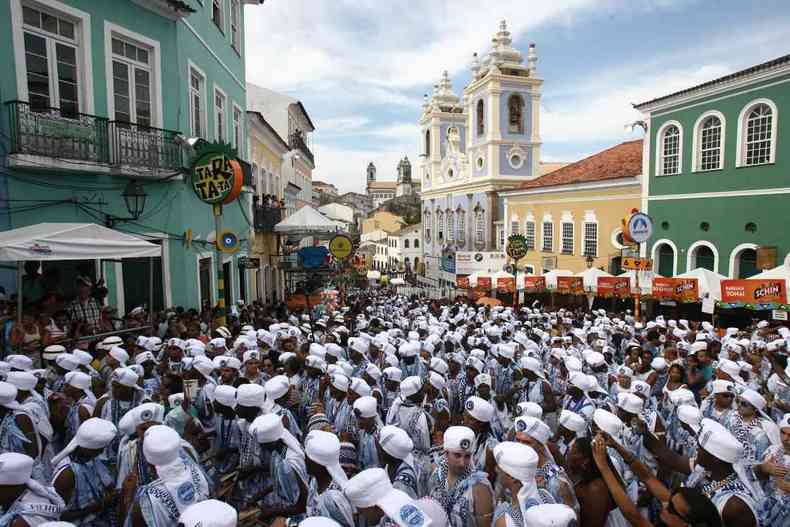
(406, 243)
(427, 143)
(669, 144)
(416, 246)
(757, 132)
(480, 228)
(460, 234)
(710, 140)
(703, 257)
(666, 260)
(481, 124)
(427, 222)
(450, 226)
(439, 226)
(515, 107)
(747, 263)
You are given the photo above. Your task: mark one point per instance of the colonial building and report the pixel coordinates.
(572, 216)
(716, 161)
(381, 191)
(410, 247)
(381, 221)
(323, 193)
(102, 96)
(476, 147)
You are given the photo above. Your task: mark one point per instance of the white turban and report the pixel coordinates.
(94, 434)
(324, 448)
(459, 439)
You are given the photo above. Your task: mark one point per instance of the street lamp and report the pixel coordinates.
(589, 260)
(134, 197)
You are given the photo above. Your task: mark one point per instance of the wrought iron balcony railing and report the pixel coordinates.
(137, 145)
(297, 143)
(51, 132)
(265, 218)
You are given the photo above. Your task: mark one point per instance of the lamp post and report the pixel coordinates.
(134, 198)
(589, 260)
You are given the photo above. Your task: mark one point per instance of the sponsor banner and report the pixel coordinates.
(506, 285)
(484, 283)
(570, 285)
(664, 287)
(476, 294)
(534, 284)
(614, 286)
(687, 290)
(742, 292)
(469, 262)
(462, 282)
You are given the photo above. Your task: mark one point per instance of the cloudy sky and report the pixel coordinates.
(361, 67)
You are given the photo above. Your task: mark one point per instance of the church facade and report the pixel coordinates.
(475, 147)
(382, 191)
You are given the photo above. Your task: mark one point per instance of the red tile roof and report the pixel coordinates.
(620, 161)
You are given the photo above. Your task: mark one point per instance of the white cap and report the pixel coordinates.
(250, 395)
(459, 439)
(20, 362)
(533, 427)
(359, 386)
(608, 422)
(119, 354)
(67, 361)
(52, 351)
(719, 442)
(372, 488)
(480, 409)
(410, 386)
(223, 361)
(366, 406)
(483, 378)
(94, 434)
(550, 515)
(573, 422)
(340, 381)
(276, 387)
(225, 395)
(209, 513)
(23, 380)
(690, 415)
(8, 393)
(395, 442)
(532, 364)
(518, 460)
(750, 396)
(630, 403)
(722, 386)
(145, 413)
(324, 448)
(531, 409)
(161, 445)
(78, 379)
(126, 377)
(16, 468)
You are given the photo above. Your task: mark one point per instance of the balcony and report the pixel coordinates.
(95, 143)
(296, 142)
(265, 218)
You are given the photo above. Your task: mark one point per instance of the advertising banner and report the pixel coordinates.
(749, 292)
(506, 285)
(462, 282)
(663, 288)
(570, 285)
(686, 290)
(534, 284)
(614, 286)
(484, 283)
(469, 262)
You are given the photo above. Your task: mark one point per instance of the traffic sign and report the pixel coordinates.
(516, 246)
(341, 247)
(637, 264)
(640, 227)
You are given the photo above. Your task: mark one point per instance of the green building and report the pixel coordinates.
(98, 109)
(718, 172)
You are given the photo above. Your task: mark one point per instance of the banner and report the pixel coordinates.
(570, 285)
(462, 282)
(534, 284)
(476, 293)
(748, 292)
(506, 285)
(611, 286)
(663, 288)
(686, 290)
(484, 283)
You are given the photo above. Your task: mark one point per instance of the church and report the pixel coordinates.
(381, 191)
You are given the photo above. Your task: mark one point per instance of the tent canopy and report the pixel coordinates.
(72, 241)
(645, 280)
(708, 282)
(590, 277)
(551, 277)
(307, 220)
(777, 273)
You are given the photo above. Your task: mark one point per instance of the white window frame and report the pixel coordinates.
(222, 14)
(697, 141)
(82, 38)
(590, 219)
(450, 226)
(460, 226)
(567, 248)
(203, 97)
(480, 221)
(219, 90)
(238, 129)
(515, 225)
(235, 12)
(154, 51)
(691, 255)
(543, 247)
(740, 153)
(533, 242)
(660, 149)
(500, 236)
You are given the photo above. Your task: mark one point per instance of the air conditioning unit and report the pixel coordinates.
(549, 262)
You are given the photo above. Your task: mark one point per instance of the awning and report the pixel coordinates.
(708, 282)
(72, 241)
(590, 277)
(307, 221)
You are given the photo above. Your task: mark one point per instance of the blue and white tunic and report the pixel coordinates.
(331, 503)
(162, 501)
(458, 500)
(92, 481)
(776, 507)
(35, 506)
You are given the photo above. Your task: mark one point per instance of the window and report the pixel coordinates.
(237, 130)
(217, 14)
(439, 226)
(481, 125)
(515, 107)
(427, 142)
(530, 234)
(219, 116)
(427, 227)
(450, 226)
(406, 243)
(710, 143)
(51, 61)
(196, 108)
(670, 151)
(759, 135)
(131, 81)
(480, 227)
(235, 23)
(666, 260)
(514, 226)
(460, 234)
(704, 258)
(548, 236)
(590, 239)
(567, 237)
(500, 237)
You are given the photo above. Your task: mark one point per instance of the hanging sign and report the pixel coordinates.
(341, 247)
(534, 284)
(517, 246)
(228, 242)
(754, 292)
(637, 264)
(570, 285)
(614, 286)
(484, 282)
(506, 285)
(640, 227)
(216, 175)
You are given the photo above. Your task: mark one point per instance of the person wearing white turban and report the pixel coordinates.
(209, 513)
(368, 423)
(576, 399)
(225, 429)
(395, 448)
(464, 491)
(23, 500)
(775, 461)
(81, 401)
(517, 466)
(753, 428)
(18, 432)
(123, 395)
(249, 405)
(278, 391)
(82, 478)
(407, 412)
(721, 401)
(378, 502)
(327, 478)
(536, 389)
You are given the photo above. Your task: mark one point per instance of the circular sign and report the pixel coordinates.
(640, 227)
(216, 178)
(341, 246)
(228, 242)
(516, 246)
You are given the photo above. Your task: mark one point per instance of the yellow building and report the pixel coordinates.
(266, 151)
(381, 220)
(576, 211)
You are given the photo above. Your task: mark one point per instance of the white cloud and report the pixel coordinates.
(345, 167)
(342, 125)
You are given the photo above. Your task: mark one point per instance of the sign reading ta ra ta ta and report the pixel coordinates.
(217, 176)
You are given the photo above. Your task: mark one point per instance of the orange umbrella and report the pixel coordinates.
(488, 301)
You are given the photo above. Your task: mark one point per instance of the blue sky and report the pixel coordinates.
(360, 67)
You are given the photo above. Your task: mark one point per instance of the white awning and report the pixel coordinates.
(72, 241)
(305, 221)
(590, 277)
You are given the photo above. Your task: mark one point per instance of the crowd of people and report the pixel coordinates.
(396, 411)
